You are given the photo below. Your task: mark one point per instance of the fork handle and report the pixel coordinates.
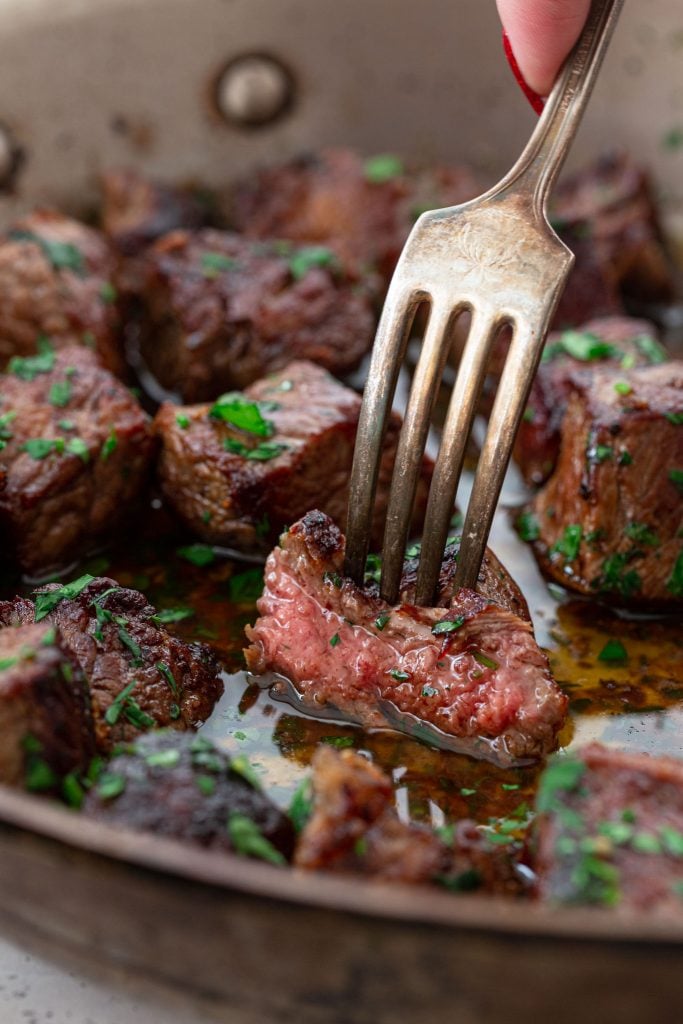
(534, 174)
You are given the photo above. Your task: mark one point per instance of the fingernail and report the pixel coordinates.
(536, 101)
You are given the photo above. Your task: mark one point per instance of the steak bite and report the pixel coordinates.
(220, 311)
(472, 670)
(612, 205)
(56, 282)
(362, 209)
(610, 831)
(617, 341)
(136, 210)
(44, 709)
(354, 827)
(183, 787)
(240, 471)
(75, 448)
(140, 677)
(610, 519)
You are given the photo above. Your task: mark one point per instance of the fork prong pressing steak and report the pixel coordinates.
(56, 282)
(44, 709)
(608, 522)
(140, 676)
(610, 831)
(75, 447)
(235, 487)
(473, 670)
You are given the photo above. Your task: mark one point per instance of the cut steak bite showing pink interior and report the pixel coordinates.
(472, 669)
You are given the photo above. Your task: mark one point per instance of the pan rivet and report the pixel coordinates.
(253, 90)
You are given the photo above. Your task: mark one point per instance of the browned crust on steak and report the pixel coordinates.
(613, 835)
(128, 647)
(44, 709)
(190, 796)
(327, 199)
(52, 507)
(612, 480)
(538, 439)
(70, 306)
(210, 328)
(225, 498)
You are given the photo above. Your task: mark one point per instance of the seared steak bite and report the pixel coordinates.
(220, 311)
(611, 204)
(56, 283)
(354, 827)
(137, 210)
(362, 209)
(140, 677)
(183, 787)
(240, 471)
(609, 521)
(610, 831)
(75, 447)
(44, 709)
(472, 670)
(617, 341)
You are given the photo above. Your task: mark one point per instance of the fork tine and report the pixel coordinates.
(411, 445)
(513, 390)
(456, 430)
(388, 353)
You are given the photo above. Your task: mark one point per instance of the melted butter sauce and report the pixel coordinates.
(637, 704)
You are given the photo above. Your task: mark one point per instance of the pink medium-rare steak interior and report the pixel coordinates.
(472, 670)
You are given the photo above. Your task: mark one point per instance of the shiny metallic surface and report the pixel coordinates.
(254, 90)
(502, 246)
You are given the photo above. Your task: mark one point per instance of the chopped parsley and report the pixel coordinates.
(247, 839)
(580, 345)
(676, 478)
(243, 767)
(246, 587)
(613, 652)
(448, 625)
(77, 446)
(675, 582)
(625, 458)
(183, 421)
(200, 555)
(340, 742)
(124, 704)
(651, 349)
(47, 600)
(483, 659)
(40, 447)
(205, 784)
(66, 424)
(310, 256)
(674, 417)
(263, 452)
(301, 807)
(383, 168)
(110, 445)
(111, 785)
(240, 412)
(527, 526)
(108, 293)
(168, 615)
(429, 691)
(334, 578)
(373, 569)
(381, 620)
(336, 639)
(28, 367)
(61, 255)
(622, 387)
(642, 534)
(529, 415)
(60, 393)
(569, 543)
(163, 758)
(213, 264)
(396, 673)
(617, 576)
(169, 677)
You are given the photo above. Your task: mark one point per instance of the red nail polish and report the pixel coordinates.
(536, 101)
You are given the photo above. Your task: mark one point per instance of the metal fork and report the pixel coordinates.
(498, 258)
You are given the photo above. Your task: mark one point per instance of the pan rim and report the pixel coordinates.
(33, 816)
